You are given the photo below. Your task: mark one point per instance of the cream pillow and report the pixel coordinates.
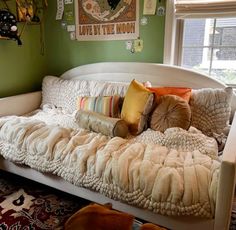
(171, 111)
(211, 109)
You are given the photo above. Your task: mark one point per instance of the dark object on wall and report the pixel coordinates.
(113, 3)
(8, 27)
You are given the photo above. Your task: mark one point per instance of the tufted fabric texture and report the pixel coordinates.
(179, 178)
(171, 111)
(64, 93)
(211, 109)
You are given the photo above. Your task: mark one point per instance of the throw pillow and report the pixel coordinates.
(185, 93)
(211, 109)
(99, 123)
(137, 105)
(107, 105)
(63, 93)
(97, 217)
(149, 226)
(171, 111)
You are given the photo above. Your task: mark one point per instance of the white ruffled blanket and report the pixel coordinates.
(174, 173)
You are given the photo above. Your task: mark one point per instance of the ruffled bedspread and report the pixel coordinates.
(174, 173)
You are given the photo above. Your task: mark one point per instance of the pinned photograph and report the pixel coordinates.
(149, 7)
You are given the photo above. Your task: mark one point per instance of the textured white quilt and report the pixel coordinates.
(174, 173)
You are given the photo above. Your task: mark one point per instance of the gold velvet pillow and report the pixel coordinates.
(137, 105)
(113, 127)
(171, 111)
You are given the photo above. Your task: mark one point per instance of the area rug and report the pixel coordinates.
(233, 216)
(26, 205)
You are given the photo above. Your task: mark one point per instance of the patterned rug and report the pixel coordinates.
(27, 205)
(233, 215)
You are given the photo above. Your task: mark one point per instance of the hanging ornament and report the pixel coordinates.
(8, 26)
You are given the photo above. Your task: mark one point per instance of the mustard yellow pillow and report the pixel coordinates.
(137, 105)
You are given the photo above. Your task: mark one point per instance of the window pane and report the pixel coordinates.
(203, 45)
(194, 30)
(225, 54)
(224, 65)
(228, 76)
(225, 33)
(197, 59)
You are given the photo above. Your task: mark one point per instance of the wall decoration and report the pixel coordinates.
(60, 9)
(68, 1)
(25, 10)
(149, 7)
(161, 11)
(144, 21)
(8, 27)
(138, 45)
(107, 19)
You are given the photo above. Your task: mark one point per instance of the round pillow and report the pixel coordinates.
(171, 111)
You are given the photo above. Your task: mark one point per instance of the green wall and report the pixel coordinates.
(21, 67)
(63, 54)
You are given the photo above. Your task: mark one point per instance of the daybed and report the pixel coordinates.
(214, 193)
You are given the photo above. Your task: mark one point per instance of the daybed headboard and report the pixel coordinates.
(157, 74)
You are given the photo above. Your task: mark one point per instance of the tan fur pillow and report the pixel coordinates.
(171, 111)
(99, 217)
(149, 226)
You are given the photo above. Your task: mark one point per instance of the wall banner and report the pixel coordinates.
(107, 19)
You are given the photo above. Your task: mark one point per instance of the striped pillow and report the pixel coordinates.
(106, 105)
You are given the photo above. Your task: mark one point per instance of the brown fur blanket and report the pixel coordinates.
(102, 217)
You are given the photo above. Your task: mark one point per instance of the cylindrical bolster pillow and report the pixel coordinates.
(99, 123)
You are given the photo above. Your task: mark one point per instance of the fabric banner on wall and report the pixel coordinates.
(107, 19)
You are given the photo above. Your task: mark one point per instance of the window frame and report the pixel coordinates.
(173, 38)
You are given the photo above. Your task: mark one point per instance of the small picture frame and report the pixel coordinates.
(25, 10)
(149, 7)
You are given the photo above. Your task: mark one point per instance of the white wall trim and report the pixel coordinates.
(169, 38)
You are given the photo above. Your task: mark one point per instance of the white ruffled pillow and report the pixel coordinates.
(64, 93)
(211, 109)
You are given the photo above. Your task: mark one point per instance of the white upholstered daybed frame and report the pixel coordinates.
(157, 74)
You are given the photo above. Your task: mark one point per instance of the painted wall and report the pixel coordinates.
(63, 54)
(21, 67)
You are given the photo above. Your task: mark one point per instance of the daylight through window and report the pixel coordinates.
(209, 46)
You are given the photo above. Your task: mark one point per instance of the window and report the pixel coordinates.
(201, 35)
(209, 46)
